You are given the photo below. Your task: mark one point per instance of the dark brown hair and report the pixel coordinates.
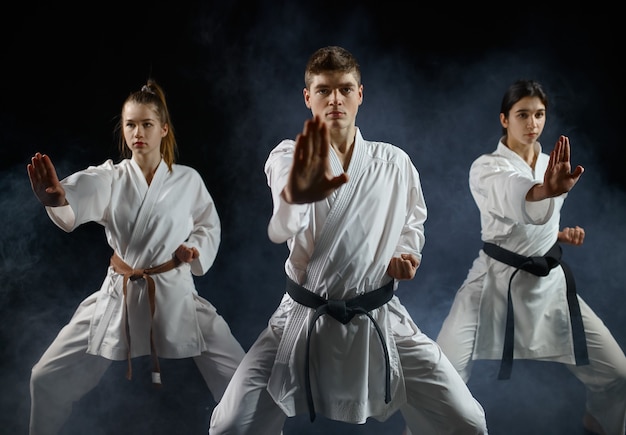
(519, 90)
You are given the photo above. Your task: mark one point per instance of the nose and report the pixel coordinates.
(335, 97)
(138, 132)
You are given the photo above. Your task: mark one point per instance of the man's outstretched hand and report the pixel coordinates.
(311, 178)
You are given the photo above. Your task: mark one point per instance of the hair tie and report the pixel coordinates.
(145, 88)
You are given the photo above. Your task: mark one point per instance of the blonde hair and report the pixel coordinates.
(152, 94)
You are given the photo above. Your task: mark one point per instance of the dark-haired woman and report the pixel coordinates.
(519, 299)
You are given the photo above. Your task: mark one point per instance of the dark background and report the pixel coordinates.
(233, 74)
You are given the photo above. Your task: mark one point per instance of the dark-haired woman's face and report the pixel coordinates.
(525, 122)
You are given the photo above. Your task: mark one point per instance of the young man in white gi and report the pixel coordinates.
(340, 343)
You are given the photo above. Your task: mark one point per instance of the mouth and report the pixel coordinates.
(335, 114)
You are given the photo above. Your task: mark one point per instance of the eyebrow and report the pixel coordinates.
(339, 85)
(141, 120)
(530, 110)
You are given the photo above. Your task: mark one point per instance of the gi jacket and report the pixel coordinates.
(499, 182)
(340, 248)
(144, 224)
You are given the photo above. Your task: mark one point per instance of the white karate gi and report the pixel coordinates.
(340, 248)
(474, 328)
(144, 224)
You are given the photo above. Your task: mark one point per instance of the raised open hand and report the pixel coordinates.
(311, 179)
(559, 177)
(44, 181)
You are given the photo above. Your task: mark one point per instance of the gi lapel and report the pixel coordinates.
(338, 208)
(316, 265)
(151, 195)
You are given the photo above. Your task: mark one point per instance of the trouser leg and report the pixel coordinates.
(218, 364)
(438, 400)
(246, 408)
(605, 376)
(63, 375)
(457, 335)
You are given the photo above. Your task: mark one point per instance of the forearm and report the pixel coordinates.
(538, 193)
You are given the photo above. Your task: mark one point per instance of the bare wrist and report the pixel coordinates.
(536, 193)
(286, 195)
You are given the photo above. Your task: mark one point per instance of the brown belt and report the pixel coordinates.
(119, 266)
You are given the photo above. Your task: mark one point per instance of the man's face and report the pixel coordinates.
(335, 97)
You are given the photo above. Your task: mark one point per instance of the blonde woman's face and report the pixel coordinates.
(143, 130)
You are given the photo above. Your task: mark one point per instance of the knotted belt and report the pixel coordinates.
(538, 266)
(342, 311)
(119, 266)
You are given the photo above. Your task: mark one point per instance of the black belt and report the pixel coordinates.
(342, 311)
(538, 266)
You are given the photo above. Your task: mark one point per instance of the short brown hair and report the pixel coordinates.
(331, 59)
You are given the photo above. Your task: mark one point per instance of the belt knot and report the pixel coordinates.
(538, 266)
(130, 274)
(342, 311)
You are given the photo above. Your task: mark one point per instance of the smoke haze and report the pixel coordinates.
(233, 75)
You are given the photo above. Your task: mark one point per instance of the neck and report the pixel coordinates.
(525, 151)
(344, 157)
(147, 165)
(343, 146)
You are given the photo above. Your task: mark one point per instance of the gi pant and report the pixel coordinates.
(438, 401)
(604, 378)
(65, 372)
